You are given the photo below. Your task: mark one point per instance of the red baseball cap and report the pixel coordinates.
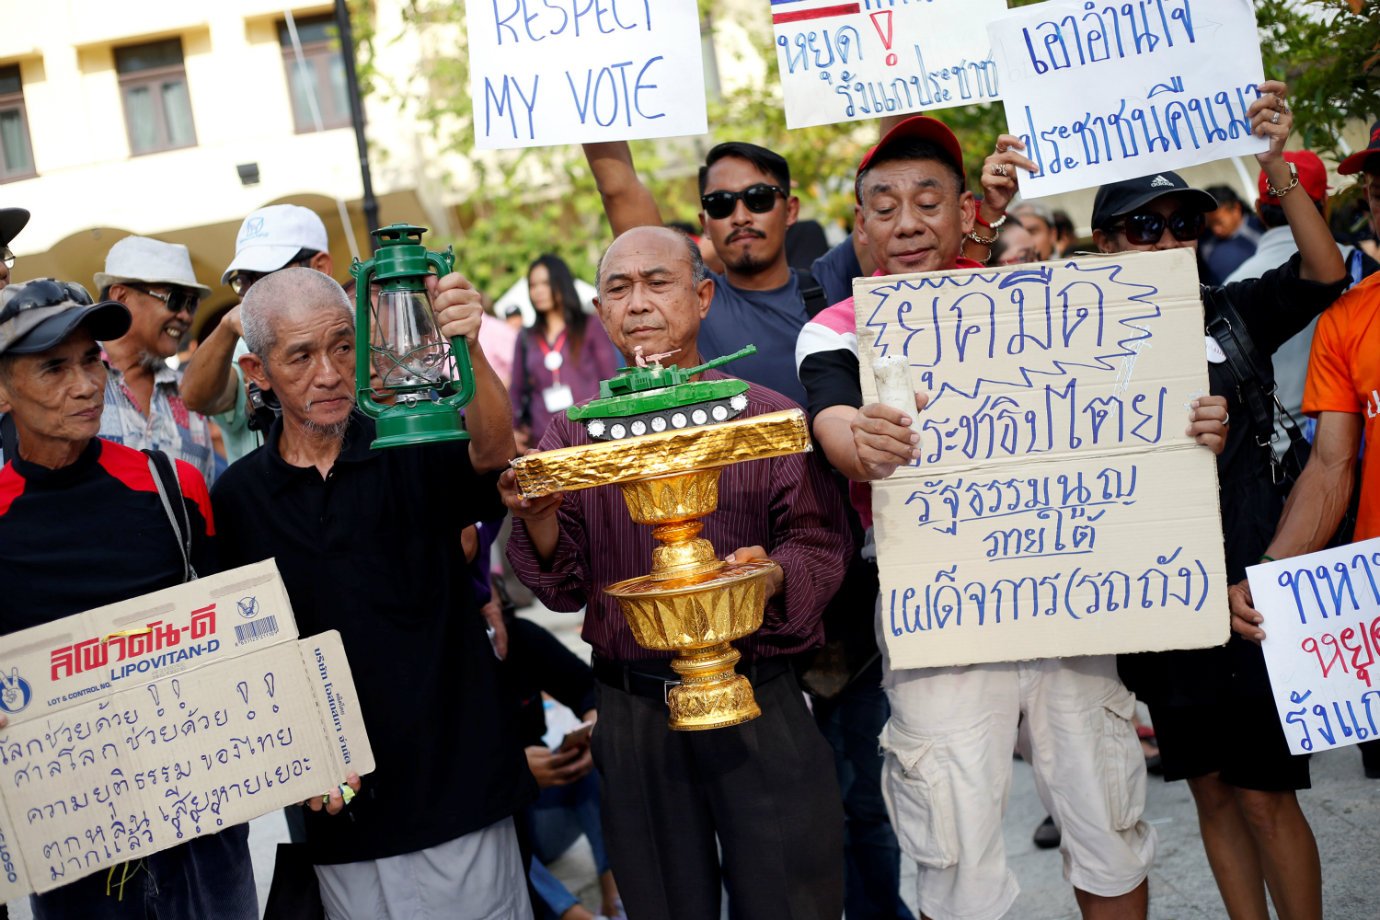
(917, 128)
(1312, 176)
(1357, 161)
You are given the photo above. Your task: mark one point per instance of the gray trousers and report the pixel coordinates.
(764, 793)
(479, 876)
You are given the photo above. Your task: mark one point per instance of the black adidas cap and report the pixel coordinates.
(1121, 198)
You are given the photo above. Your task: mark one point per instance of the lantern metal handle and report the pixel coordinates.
(444, 263)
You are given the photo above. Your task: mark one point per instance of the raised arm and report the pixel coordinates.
(627, 202)
(1271, 118)
(488, 417)
(209, 382)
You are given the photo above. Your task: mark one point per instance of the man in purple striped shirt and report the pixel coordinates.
(764, 792)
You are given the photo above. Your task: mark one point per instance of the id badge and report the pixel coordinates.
(557, 398)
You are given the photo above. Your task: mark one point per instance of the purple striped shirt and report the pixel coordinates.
(788, 505)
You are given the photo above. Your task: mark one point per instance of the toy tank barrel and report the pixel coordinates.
(720, 362)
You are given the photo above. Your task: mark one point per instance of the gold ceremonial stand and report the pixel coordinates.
(692, 602)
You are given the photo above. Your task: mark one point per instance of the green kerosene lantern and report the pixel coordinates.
(430, 378)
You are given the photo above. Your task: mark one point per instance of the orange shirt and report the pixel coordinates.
(1344, 376)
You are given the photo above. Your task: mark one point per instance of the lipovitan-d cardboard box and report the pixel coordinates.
(140, 725)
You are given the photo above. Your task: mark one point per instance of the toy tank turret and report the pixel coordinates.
(653, 398)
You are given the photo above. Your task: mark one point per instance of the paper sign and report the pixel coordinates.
(850, 61)
(1058, 508)
(141, 725)
(547, 72)
(1322, 636)
(1101, 92)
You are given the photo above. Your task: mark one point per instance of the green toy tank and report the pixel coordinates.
(651, 398)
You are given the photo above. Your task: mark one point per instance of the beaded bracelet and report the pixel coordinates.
(994, 225)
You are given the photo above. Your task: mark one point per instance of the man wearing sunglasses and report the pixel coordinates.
(270, 239)
(1213, 711)
(143, 403)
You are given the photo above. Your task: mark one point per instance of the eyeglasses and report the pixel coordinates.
(177, 300)
(1146, 229)
(7, 256)
(759, 198)
(240, 282)
(45, 292)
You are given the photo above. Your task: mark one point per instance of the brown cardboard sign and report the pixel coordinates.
(140, 725)
(1058, 507)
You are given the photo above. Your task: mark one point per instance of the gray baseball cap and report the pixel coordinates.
(36, 315)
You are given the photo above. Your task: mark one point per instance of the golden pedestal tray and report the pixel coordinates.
(692, 602)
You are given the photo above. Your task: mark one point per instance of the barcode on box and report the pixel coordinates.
(258, 629)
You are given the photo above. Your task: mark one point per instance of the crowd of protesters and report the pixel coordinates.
(807, 811)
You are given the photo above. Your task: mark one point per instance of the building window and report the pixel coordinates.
(16, 156)
(318, 75)
(158, 109)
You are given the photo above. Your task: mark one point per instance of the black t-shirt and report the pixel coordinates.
(373, 550)
(537, 662)
(91, 533)
(1274, 307)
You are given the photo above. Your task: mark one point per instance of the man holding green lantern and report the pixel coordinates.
(368, 542)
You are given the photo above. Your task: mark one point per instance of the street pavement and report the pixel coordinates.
(1343, 808)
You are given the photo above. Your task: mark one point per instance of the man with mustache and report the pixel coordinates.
(762, 792)
(143, 402)
(369, 542)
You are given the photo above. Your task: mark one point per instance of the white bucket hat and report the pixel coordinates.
(145, 261)
(270, 236)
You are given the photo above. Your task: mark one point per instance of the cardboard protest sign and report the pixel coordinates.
(141, 725)
(1058, 506)
(547, 72)
(1322, 638)
(849, 61)
(1101, 92)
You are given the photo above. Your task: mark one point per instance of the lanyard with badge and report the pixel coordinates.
(558, 396)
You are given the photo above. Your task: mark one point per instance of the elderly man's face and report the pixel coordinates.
(155, 329)
(57, 395)
(311, 365)
(913, 216)
(648, 296)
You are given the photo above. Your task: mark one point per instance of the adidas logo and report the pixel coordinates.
(1161, 182)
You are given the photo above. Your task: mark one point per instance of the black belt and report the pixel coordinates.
(656, 678)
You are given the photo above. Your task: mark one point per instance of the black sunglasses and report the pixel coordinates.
(176, 300)
(1145, 229)
(45, 292)
(759, 198)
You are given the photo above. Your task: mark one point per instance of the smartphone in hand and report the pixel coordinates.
(576, 737)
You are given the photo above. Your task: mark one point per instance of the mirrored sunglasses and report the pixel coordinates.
(1147, 228)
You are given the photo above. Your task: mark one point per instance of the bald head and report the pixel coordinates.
(653, 236)
(653, 293)
(285, 293)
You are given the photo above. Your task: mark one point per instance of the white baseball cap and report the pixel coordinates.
(270, 236)
(148, 261)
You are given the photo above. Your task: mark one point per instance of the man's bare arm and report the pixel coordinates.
(1320, 498)
(627, 202)
(209, 383)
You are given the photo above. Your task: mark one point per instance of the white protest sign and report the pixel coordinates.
(1101, 91)
(1322, 637)
(548, 72)
(138, 726)
(850, 61)
(1058, 506)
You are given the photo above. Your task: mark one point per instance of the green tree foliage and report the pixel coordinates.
(1328, 51)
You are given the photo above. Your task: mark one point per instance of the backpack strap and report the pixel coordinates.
(165, 478)
(1257, 389)
(811, 292)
